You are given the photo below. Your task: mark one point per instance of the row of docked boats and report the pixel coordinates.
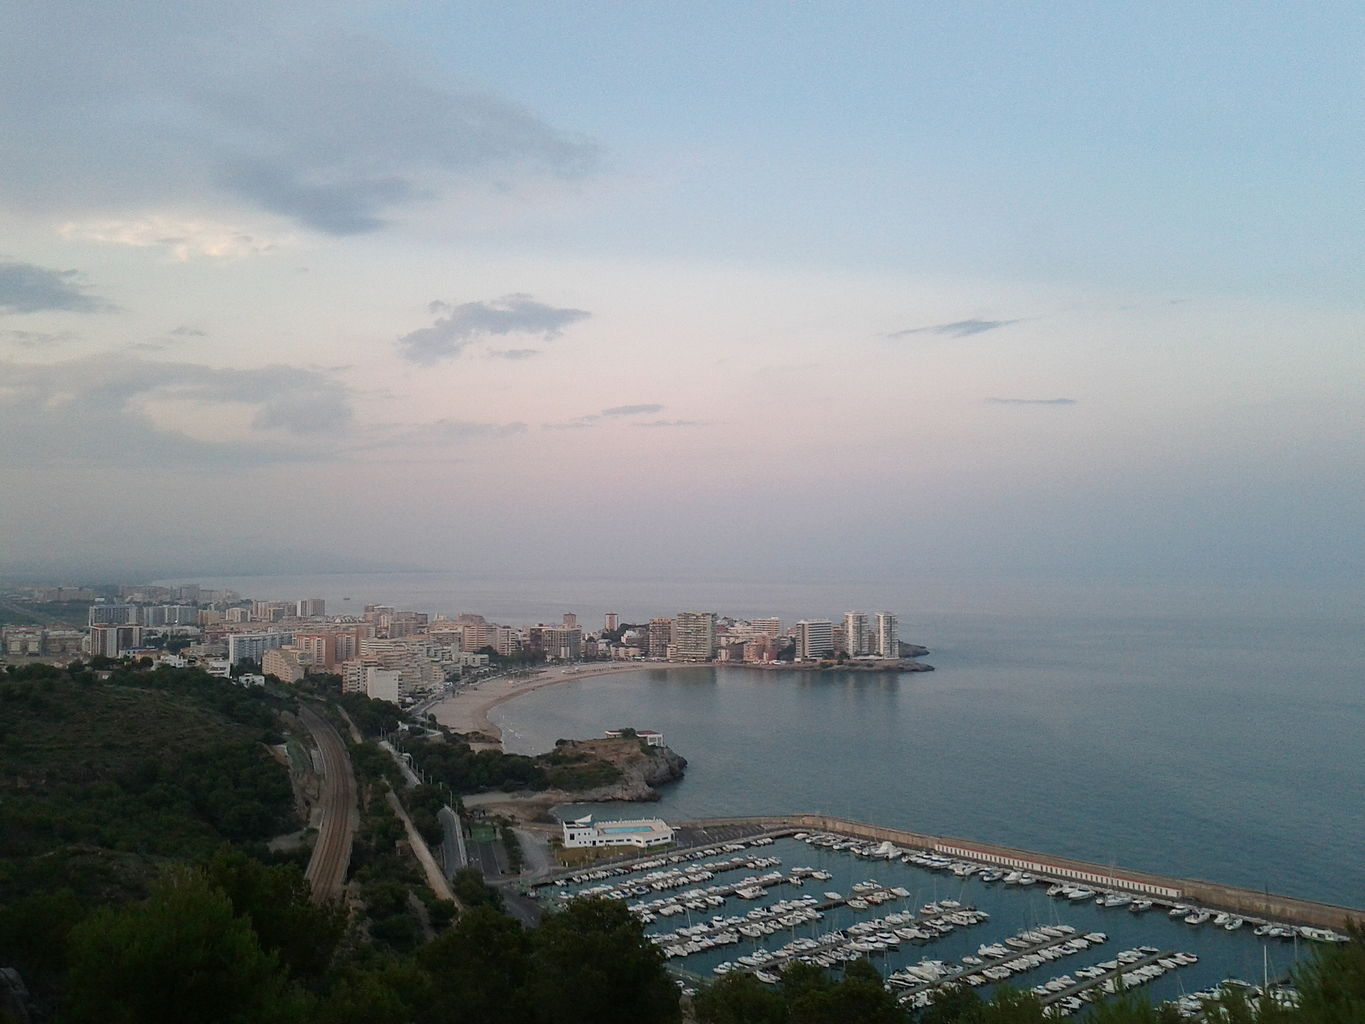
(678, 877)
(634, 867)
(1130, 969)
(1195, 1005)
(994, 962)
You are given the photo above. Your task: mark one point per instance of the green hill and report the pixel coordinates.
(101, 780)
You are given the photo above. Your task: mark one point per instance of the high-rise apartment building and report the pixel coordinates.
(570, 620)
(767, 626)
(611, 622)
(106, 613)
(694, 636)
(856, 637)
(252, 646)
(114, 640)
(814, 639)
(888, 636)
(660, 637)
(564, 643)
(311, 608)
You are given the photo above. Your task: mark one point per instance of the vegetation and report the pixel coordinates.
(135, 887)
(114, 776)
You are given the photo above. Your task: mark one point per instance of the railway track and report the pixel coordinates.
(326, 871)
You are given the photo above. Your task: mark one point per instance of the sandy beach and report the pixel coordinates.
(467, 711)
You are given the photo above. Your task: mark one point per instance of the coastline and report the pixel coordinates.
(467, 711)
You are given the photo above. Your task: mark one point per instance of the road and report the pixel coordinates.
(332, 854)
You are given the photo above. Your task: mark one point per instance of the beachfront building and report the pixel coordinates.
(888, 636)
(814, 639)
(642, 832)
(694, 636)
(856, 634)
(660, 637)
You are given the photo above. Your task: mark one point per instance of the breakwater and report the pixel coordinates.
(1161, 888)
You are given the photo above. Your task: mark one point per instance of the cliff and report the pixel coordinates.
(596, 771)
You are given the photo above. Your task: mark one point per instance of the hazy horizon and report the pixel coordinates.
(683, 290)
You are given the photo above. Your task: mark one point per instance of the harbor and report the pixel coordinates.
(931, 911)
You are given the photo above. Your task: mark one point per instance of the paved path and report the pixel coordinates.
(326, 871)
(430, 868)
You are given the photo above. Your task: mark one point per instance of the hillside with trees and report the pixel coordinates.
(136, 887)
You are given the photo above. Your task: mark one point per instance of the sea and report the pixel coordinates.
(1180, 726)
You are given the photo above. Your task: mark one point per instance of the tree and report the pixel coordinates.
(180, 955)
(276, 900)
(479, 970)
(593, 965)
(739, 998)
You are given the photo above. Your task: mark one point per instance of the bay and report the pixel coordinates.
(1204, 729)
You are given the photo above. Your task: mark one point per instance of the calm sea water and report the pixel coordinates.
(1174, 726)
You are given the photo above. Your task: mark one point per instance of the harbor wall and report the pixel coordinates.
(1167, 889)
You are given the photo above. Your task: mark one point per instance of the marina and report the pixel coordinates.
(930, 916)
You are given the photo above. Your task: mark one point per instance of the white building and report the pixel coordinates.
(652, 737)
(888, 636)
(641, 832)
(814, 639)
(856, 636)
(694, 636)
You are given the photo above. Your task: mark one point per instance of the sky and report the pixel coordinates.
(682, 288)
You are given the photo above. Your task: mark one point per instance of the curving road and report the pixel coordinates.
(332, 854)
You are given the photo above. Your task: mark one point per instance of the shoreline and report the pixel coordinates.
(467, 711)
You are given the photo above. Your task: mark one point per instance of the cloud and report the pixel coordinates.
(467, 323)
(1031, 401)
(591, 419)
(111, 409)
(514, 353)
(26, 288)
(585, 423)
(440, 433)
(958, 329)
(671, 423)
(37, 339)
(284, 108)
(181, 239)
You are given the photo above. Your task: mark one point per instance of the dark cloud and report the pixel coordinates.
(95, 410)
(671, 423)
(467, 323)
(188, 332)
(279, 105)
(514, 353)
(349, 206)
(632, 410)
(25, 288)
(1031, 401)
(958, 329)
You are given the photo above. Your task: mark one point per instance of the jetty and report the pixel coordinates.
(1164, 890)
